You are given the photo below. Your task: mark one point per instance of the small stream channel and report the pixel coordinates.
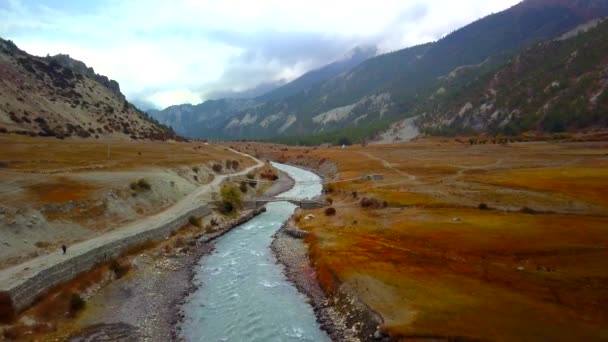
(242, 293)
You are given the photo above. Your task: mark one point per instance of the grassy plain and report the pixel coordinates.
(49, 156)
(434, 265)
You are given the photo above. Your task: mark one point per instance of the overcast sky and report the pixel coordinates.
(185, 51)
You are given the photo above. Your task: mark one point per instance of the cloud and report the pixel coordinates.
(169, 52)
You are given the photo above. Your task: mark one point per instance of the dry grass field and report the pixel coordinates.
(50, 156)
(55, 192)
(487, 242)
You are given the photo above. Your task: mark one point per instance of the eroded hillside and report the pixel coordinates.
(61, 97)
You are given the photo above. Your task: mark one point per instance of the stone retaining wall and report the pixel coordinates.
(23, 294)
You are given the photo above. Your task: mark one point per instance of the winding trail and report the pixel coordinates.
(13, 277)
(388, 165)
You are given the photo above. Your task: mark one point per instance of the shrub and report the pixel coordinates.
(77, 304)
(483, 206)
(329, 188)
(231, 199)
(243, 187)
(195, 221)
(140, 185)
(217, 168)
(235, 165)
(120, 270)
(344, 141)
(269, 174)
(331, 211)
(372, 203)
(251, 175)
(195, 169)
(42, 244)
(329, 200)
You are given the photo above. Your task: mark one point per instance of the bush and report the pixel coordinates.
(195, 169)
(329, 200)
(483, 206)
(235, 165)
(120, 270)
(372, 203)
(344, 141)
(329, 188)
(42, 244)
(331, 211)
(77, 304)
(217, 168)
(140, 185)
(231, 199)
(243, 187)
(195, 221)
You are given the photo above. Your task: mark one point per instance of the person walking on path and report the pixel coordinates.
(64, 248)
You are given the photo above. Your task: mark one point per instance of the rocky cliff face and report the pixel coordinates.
(59, 96)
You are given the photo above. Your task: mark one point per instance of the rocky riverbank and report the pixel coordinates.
(145, 305)
(341, 315)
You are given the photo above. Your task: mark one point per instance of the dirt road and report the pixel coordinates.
(13, 277)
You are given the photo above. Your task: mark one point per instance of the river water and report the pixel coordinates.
(243, 294)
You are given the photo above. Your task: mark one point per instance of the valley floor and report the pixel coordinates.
(487, 242)
(55, 192)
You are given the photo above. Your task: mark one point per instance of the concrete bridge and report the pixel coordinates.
(302, 203)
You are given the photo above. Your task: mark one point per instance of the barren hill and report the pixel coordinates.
(59, 96)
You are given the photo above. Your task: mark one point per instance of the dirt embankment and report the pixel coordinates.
(340, 314)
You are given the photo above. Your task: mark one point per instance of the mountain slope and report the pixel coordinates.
(553, 86)
(390, 87)
(309, 79)
(213, 118)
(61, 97)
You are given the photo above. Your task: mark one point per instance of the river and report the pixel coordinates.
(242, 293)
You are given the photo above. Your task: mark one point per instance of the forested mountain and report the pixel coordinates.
(393, 86)
(59, 96)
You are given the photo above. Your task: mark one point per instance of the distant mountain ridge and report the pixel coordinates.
(191, 120)
(62, 97)
(387, 88)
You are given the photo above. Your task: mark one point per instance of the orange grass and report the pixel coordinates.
(444, 269)
(491, 275)
(51, 155)
(588, 184)
(60, 190)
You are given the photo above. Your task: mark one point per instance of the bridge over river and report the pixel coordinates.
(302, 203)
